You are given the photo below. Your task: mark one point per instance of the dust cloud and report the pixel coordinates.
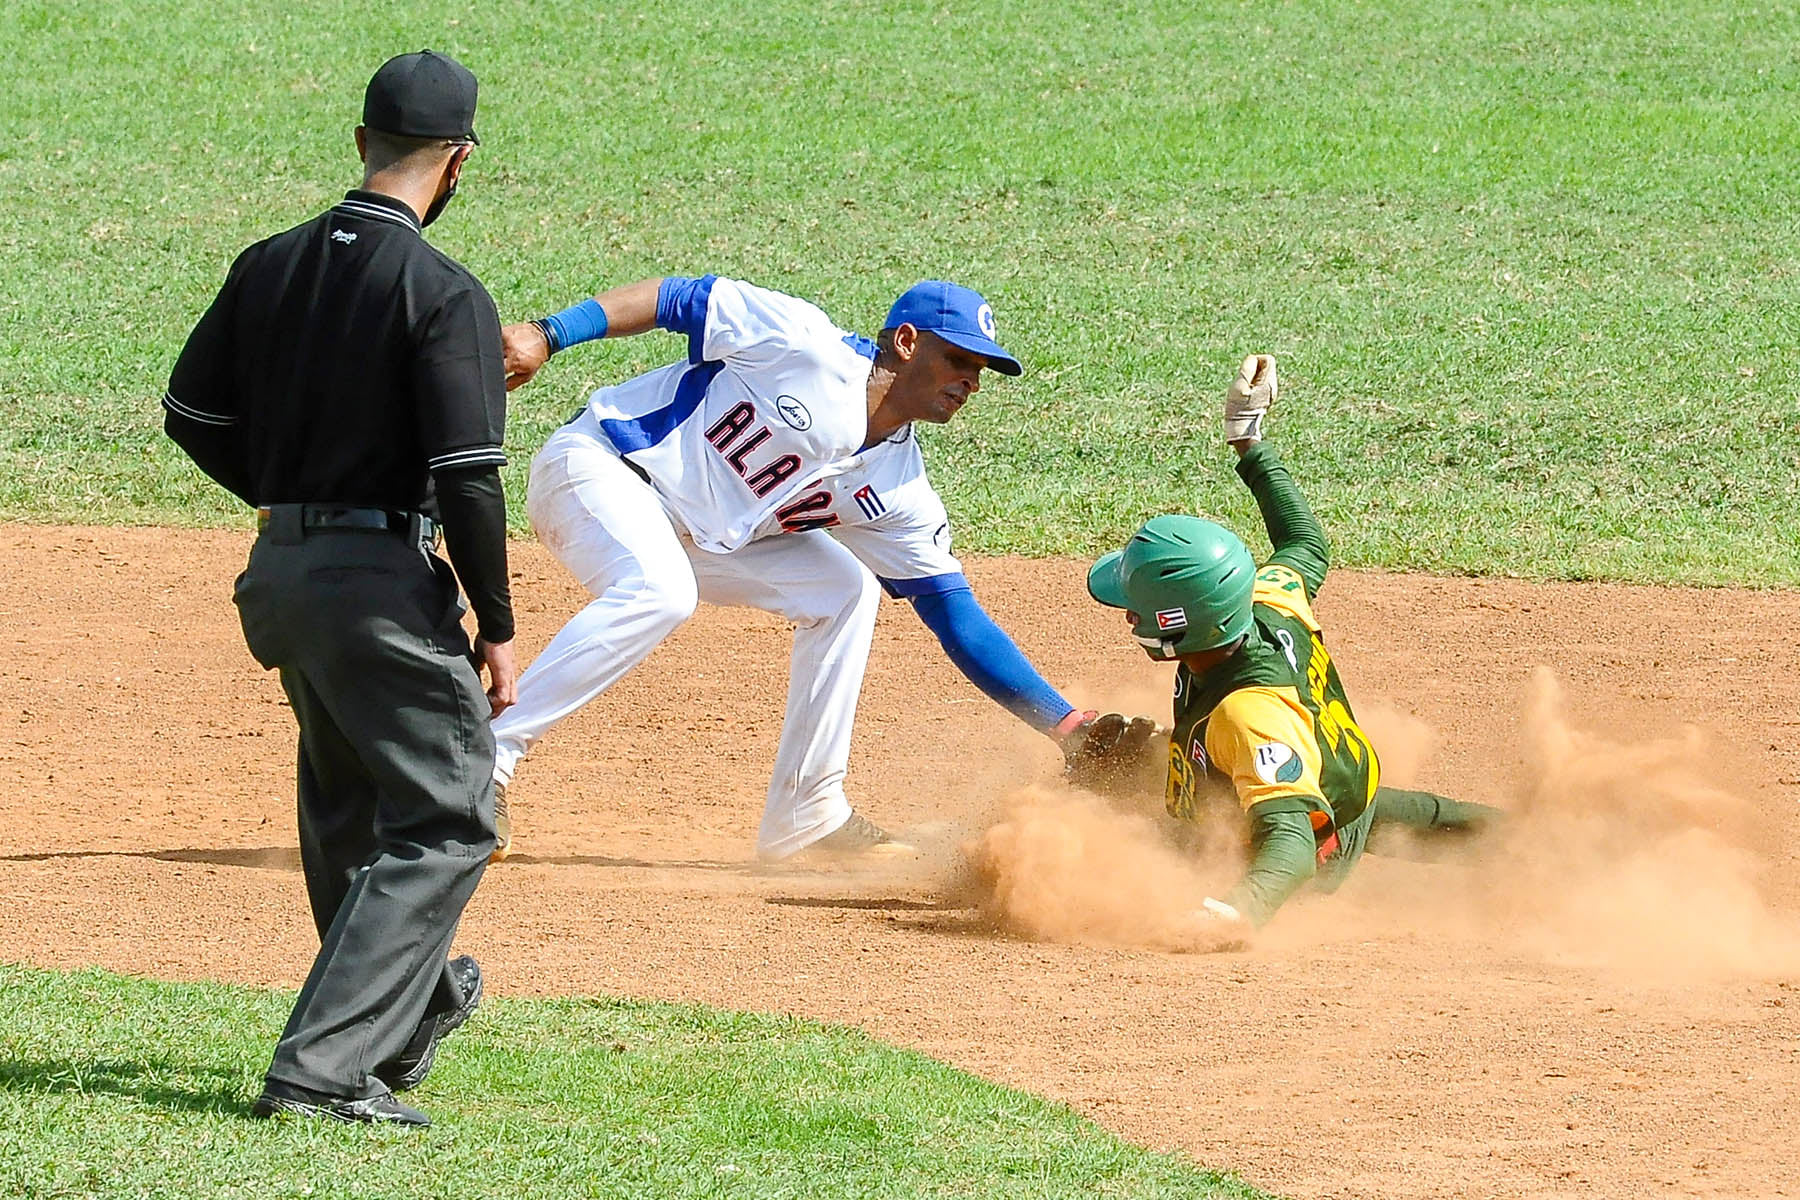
(1403, 742)
(1057, 864)
(1062, 865)
(1631, 853)
(1618, 851)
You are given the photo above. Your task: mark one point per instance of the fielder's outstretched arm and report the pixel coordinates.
(992, 661)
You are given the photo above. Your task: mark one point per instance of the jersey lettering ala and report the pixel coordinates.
(772, 394)
(738, 435)
(880, 504)
(1272, 725)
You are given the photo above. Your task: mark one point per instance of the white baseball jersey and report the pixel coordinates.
(772, 392)
(882, 507)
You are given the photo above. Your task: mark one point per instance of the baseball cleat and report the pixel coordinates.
(502, 826)
(859, 838)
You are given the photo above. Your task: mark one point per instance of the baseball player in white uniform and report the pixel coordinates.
(776, 468)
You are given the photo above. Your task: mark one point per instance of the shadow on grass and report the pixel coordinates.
(143, 1081)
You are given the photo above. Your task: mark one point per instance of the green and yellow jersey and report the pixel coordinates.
(1269, 729)
(1272, 725)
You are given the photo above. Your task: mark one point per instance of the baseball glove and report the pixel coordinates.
(1113, 754)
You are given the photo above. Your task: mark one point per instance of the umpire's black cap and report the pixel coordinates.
(427, 95)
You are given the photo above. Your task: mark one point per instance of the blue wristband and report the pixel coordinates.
(576, 324)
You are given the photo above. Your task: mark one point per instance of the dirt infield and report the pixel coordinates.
(1606, 1005)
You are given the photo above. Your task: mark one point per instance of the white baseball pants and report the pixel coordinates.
(608, 527)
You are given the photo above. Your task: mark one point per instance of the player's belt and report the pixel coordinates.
(411, 525)
(605, 439)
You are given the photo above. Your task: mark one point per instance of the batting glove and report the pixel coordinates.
(1219, 910)
(1212, 927)
(1249, 398)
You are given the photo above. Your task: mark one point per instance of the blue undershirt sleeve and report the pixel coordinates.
(681, 308)
(982, 651)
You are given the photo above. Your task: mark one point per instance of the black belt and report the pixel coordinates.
(370, 520)
(635, 469)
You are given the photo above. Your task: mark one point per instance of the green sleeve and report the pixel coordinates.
(1282, 857)
(1296, 534)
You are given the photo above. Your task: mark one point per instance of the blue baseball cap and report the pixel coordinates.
(958, 315)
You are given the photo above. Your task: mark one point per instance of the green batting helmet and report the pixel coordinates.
(1187, 580)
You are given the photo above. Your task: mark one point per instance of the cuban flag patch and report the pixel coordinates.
(1171, 618)
(869, 500)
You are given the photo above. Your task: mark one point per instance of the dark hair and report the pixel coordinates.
(884, 349)
(390, 151)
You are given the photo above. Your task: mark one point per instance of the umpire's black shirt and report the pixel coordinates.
(347, 362)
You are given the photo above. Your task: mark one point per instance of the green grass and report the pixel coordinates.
(111, 1086)
(1530, 268)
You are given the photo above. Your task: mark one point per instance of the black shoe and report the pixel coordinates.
(281, 1097)
(408, 1068)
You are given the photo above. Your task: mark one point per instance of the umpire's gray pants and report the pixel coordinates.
(395, 784)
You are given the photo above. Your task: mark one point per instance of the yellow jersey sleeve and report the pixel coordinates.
(1281, 588)
(1263, 739)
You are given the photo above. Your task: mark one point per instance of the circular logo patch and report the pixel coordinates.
(793, 412)
(984, 319)
(1277, 763)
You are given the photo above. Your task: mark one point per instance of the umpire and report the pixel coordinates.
(346, 372)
